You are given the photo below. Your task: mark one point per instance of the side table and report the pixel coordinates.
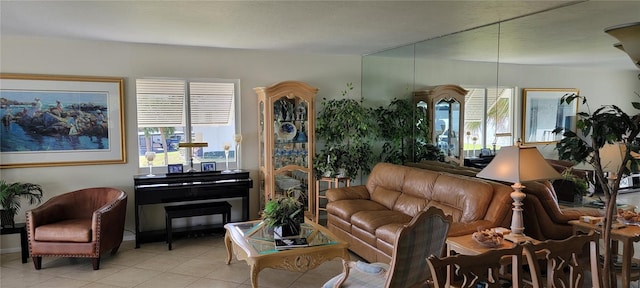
(626, 235)
(22, 229)
(332, 182)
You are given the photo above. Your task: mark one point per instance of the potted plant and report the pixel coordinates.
(283, 214)
(571, 186)
(324, 164)
(346, 127)
(606, 125)
(10, 194)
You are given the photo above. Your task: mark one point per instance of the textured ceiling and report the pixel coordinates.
(572, 34)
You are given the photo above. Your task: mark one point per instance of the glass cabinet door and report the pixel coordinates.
(291, 148)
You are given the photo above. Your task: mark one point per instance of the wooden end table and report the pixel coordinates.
(332, 182)
(467, 246)
(253, 242)
(24, 245)
(627, 235)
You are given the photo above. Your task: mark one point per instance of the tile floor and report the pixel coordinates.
(193, 263)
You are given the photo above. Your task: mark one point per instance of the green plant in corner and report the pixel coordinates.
(346, 127)
(606, 125)
(10, 194)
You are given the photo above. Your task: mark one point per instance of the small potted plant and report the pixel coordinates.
(323, 164)
(10, 194)
(284, 214)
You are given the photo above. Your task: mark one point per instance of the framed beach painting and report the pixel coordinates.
(542, 113)
(50, 120)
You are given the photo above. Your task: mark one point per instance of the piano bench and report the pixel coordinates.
(192, 210)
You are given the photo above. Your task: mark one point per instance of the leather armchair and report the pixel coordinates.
(83, 223)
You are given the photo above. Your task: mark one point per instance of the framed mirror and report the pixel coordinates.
(542, 113)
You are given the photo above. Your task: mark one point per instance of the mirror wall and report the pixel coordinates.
(496, 62)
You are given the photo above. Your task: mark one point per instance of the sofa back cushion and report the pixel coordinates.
(466, 199)
(411, 190)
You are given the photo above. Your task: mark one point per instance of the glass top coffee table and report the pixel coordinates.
(253, 242)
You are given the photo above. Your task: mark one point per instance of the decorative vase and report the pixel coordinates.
(342, 172)
(226, 148)
(287, 230)
(7, 218)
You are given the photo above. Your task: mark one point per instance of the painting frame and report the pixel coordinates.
(111, 121)
(542, 113)
(208, 166)
(175, 169)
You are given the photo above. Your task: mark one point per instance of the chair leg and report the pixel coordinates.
(96, 263)
(37, 262)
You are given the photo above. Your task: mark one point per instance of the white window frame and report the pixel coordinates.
(185, 118)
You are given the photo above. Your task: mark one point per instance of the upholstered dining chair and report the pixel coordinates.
(486, 269)
(83, 223)
(423, 236)
(566, 261)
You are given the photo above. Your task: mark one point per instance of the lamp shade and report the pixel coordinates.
(629, 37)
(611, 156)
(516, 164)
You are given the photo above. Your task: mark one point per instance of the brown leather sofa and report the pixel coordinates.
(543, 217)
(82, 223)
(368, 216)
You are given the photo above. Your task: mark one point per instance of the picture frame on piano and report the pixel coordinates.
(208, 166)
(174, 168)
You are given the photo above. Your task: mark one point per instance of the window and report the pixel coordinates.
(488, 118)
(173, 111)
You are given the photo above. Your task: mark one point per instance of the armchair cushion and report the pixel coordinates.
(72, 230)
(362, 275)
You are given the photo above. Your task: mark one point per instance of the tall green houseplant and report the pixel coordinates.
(395, 126)
(606, 125)
(346, 127)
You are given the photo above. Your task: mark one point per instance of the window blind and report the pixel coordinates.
(160, 102)
(211, 103)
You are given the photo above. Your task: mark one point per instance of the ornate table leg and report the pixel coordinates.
(227, 243)
(254, 275)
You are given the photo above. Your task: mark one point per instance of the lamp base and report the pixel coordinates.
(517, 238)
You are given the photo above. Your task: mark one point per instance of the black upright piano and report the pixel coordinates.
(191, 186)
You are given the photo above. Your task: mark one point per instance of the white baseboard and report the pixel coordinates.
(10, 250)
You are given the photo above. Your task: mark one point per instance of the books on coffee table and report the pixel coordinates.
(288, 243)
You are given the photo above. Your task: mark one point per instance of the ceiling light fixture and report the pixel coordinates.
(629, 37)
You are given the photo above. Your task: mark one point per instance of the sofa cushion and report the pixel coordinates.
(371, 220)
(467, 198)
(385, 196)
(344, 209)
(387, 233)
(72, 230)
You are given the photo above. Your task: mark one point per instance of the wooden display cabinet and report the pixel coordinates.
(443, 106)
(286, 141)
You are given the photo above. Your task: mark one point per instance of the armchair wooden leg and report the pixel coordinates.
(37, 262)
(96, 263)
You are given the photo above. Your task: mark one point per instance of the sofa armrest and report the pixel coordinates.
(348, 193)
(459, 229)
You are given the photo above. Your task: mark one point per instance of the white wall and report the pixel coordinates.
(30, 55)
